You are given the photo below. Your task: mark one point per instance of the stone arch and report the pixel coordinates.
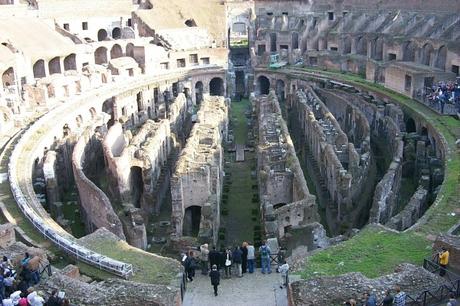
(427, 54)
(192, 220)
(54, 65)
(100, 56)
(263, 85)
(130, 50)
(198, 92)
(295, 41)
(377, 49)
(39, 69)
(101, 35)
(140, 101)
(70, 62)
(409, 51)
(411, 127)
(361, 45)
(216, 87)
(8, 77)
(116, 51)
(280, 90)
(116, 33)
(93, 112)
(441, 58)
(346, 49)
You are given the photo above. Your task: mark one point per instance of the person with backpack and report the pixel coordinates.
(264, 251)
(215, 278)
(190, 265)
(237, 260)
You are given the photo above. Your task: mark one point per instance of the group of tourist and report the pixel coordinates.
(445, 93)
(235, 261)
(16, 284)
(370, 299)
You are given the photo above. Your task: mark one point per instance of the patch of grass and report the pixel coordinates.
(373, 252)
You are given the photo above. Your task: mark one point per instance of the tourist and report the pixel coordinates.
(53, 300)
(15, 297)
(25, 260)
(8, 281)
(264, 251)
(215, 278)
(370, 299)
(443, 261)
(228, 263)
(34, 298)
(400, 297)
(244, 257)
(251, 258)
(222, 258)
(452, 301)
(190, 265)
(237, 257)
(214, 257)
(204, 258)
(388, 299)
(284, 269)
(6, 263)
(23, 300)
(2, 285)
(350, 302)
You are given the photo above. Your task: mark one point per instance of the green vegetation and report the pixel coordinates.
(373, 252)
(360, 253)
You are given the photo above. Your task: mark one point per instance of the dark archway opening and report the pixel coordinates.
(70, 62)
(280, 90)
(263, 85)
(198, 92)
(116, 33)
(101, 35)
(137, 186)
(239, 85)
(216, 87)
(140, 102)
(441, 58)
(273, 42)
(8, 77)
(279, 205)
(192, 221)
(410, 126)
(54, 66)
(100, 56)
(116, 51)
(190, 23)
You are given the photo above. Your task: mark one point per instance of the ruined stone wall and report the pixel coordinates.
(96, 207)
(412, 211)
(286, 200)
(198, 177)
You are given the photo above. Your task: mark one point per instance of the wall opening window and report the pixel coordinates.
(205, 61)
(330, 15)
(164, 66)
(84, 25)
(391, 56)
(180, 62)
(193, 59)
(260, 49)
(407, 82)
(66, 26)
(269, 13)
(455, 69)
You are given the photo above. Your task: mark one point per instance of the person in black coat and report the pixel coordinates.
(214, 257)
(244, 257)
(215, 278)
(190, 266)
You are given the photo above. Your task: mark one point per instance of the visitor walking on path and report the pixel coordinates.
(388, 299)
(204, 258)
(215, 278)
(400, 297)
(443, 261)
(251, 258)
(190, 265)
(237, 259)
(214, 257)
(264, 251)
(284, 270)
(244, 257)
(228, 263)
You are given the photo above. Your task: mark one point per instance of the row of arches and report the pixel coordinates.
(216, 88)
(101, 53)
(102, 34)
(54, 66)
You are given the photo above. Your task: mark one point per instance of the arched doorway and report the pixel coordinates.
(100, 56)
(410, 126)
(273, 44)
(136, 183)
(280, 90)
(198, 92)
(409, 51)
(116, 33)
(192, 219)
(54, 65)
(263, 85)
(216, 87)
(427, 54)
(377, 49)
(295, 41)
(107, 107)
(70, 62)
(361, 46)
(441, 58)
(101, 35)
(130, 50)
(140, 102)
(116, 51)
(8, 77)
(346, 45)
(39, 69)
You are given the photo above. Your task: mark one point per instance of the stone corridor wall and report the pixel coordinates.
(286, 201)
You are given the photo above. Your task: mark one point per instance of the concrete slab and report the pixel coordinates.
(239, 153)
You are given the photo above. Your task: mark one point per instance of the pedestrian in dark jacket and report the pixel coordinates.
(244, 257)
(214, 257)
(190, 266)
(215, 278)
(237, 260)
